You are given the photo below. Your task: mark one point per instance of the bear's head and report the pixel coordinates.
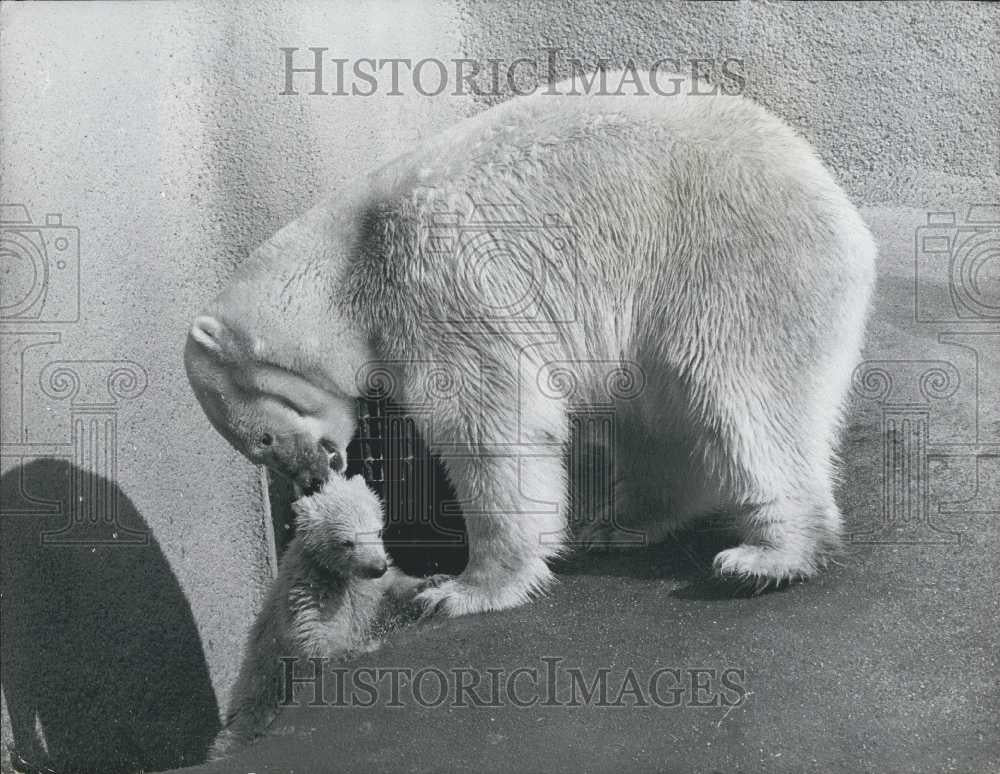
(270, 414)
(274, 358)
(341, 528)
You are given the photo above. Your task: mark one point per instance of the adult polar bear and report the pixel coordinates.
(710, 251)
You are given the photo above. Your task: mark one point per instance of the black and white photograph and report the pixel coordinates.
(499, 386)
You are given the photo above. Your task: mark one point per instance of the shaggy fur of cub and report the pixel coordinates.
(335, 596)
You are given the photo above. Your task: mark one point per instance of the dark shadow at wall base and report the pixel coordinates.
(102, 667)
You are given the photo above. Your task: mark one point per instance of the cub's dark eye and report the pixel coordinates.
(266, 439)
(347, 543)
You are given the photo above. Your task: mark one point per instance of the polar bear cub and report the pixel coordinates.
(336, 594)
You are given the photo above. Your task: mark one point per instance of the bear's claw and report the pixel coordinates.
(762, 567)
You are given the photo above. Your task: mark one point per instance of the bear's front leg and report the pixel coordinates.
(514, 507)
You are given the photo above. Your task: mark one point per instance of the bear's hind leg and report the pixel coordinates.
(773, 463)
(785, 539)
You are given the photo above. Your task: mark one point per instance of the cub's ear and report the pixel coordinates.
(210, 333)
(358, 482)
(304, 508)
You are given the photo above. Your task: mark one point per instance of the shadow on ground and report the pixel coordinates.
(93, 618)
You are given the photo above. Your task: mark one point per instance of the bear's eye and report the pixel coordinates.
(266, 439)
(347, 543)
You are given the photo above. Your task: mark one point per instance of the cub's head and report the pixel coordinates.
(260, 400)
(341, 528)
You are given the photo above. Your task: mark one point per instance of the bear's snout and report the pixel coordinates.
(334, 457)
(313, 472)
(311, 464)
(309, 485)
(374, 570)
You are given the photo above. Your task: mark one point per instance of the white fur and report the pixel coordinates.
(715, 257)
(319, 605)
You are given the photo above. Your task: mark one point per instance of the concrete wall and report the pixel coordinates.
(135, 543)
(158, 133)
(899, 98)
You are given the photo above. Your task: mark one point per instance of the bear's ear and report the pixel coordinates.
(210, 333)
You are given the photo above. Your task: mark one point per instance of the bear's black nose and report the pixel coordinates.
(334, 457)
(376, 570)
(314, 485)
